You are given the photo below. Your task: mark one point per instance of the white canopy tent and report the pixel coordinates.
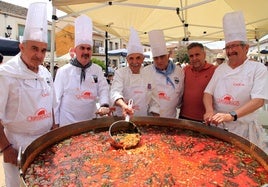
(181, 20)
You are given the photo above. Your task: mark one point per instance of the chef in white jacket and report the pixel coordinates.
(132, 82)
(27, 94)
(80, 84)
(169, 78)
(238, 88)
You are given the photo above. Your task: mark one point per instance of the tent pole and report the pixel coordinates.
(106, 53)
(52, 43)
(161, 7)
(258, 47)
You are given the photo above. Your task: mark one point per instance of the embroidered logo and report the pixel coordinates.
(176, 80)
(39, 115)
(238, 84)
(138, 92)
(95, 78)
(149, 86)
(228, 100)
(163, 95)
(85, 95)
(48, 81)
(45, 94)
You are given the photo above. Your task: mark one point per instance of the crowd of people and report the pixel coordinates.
(226, 95)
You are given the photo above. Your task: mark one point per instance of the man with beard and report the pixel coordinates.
(27, 94)
(80, 84)
(237, 88)
(132, 82)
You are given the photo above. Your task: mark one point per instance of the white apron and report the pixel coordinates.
(169, 98)
(32, 120)
(79, 100)
(34, 115)
(231, 92)
(139, 92)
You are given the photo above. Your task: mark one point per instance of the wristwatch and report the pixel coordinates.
(233, 114)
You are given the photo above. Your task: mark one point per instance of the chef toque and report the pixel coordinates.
(234, 27)
(83, 30)
(36, 23)
(134, 44)
(158, 43)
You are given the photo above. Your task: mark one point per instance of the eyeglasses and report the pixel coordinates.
(232, 46)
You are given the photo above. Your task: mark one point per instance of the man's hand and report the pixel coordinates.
(126, 110)
(221, 117)
(10, 155)
(208, 117)
(218, 118)
(102, 111)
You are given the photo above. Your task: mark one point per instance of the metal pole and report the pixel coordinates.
(52, 50)
(106, 53)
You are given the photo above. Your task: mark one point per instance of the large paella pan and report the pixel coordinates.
(171, 153)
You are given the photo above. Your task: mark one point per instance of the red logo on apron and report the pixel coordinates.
(85, 95)
(39, 115)
(163, 95)
(228, 100)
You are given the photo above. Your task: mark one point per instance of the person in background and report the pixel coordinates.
(183, 65)
(81, 84)
(238, 88)
(1, 58)
(197, 75)
(132, 82)
(110, 78)
(169, 78)
(220, 59)
(56, 67)
(27, 94)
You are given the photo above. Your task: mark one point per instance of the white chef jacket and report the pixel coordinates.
(77, 102)
(169, 98)
(139, 87)
(232, 88)
(27, 99)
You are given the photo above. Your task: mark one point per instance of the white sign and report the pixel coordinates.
(101, 50)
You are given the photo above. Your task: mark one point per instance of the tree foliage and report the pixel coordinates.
(182, 55)
(99, 62)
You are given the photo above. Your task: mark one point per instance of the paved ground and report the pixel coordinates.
(2, 180)
(263, 118)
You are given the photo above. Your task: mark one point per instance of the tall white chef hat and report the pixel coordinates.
(158, 43)
(83, 30)
(134, 44)
(234, 27)
(36, 23)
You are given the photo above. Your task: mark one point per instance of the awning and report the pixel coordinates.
(180, 20)
(118, 52)
(264, 51)
(9, 47)
(123, 52)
